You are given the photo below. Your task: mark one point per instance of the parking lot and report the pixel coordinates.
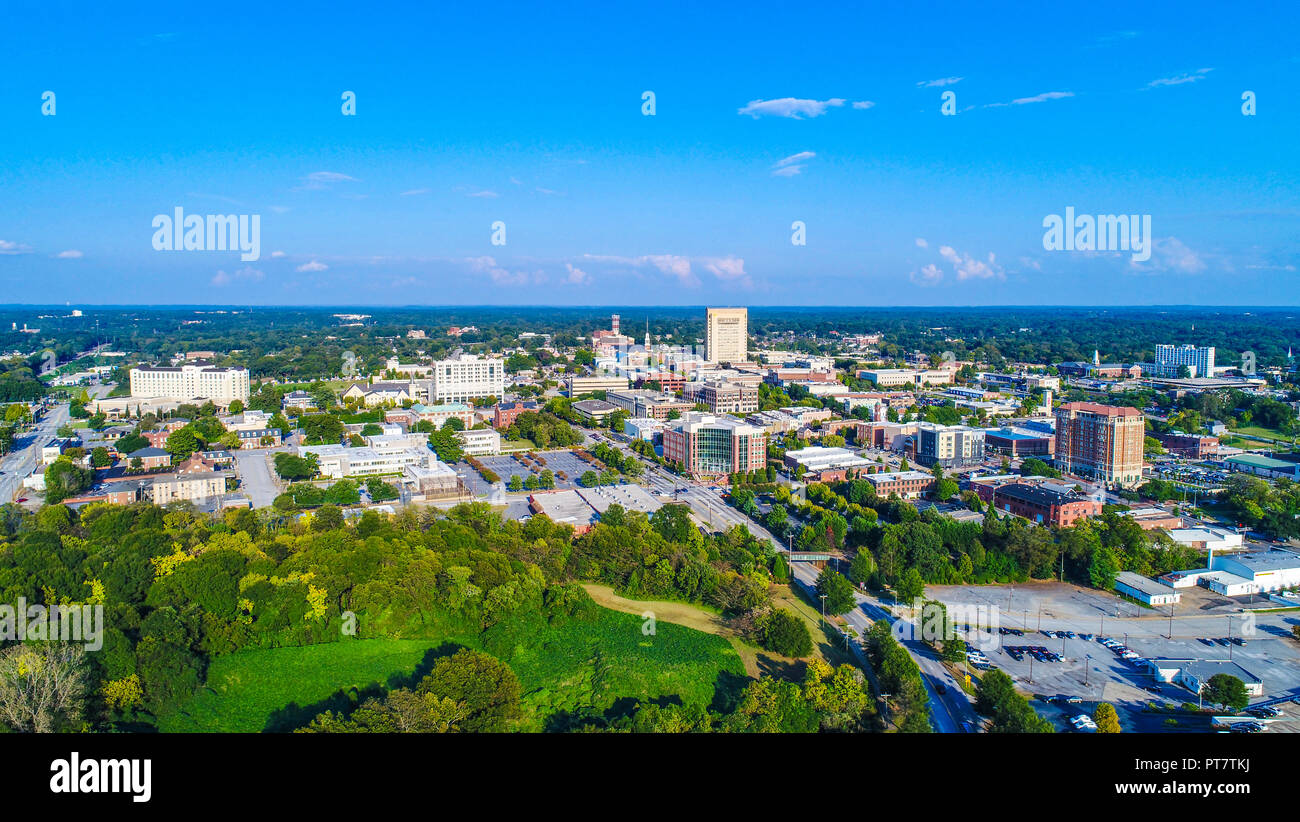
(1080, 666)
(507, 466)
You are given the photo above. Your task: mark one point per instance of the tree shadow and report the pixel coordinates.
(726, 691)
(590, 718)
(345, 700)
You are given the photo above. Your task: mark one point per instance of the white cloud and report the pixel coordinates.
(1169, 254)
(277, 254)
(499, 274)
(485, 193)
(319, 180)
(942, 81)
(10, 247)
(967, 267)
(221, 278)
(1179, 79)
(576, 275)
(1037, 98)
(791, 107)
(730, 268)
(921, 243)
(673, 265)
(863, 104)
(70, 254)
(792, 165)
(414, 192)
(928, 274)
(547, 191)
(312, 266)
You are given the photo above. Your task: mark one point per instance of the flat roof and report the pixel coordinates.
(1205, 668)
(1144, 584)
(1273, 559)
(1261, 461)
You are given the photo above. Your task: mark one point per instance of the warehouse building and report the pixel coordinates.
(1145, 590)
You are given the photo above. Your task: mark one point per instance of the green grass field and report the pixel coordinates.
(246, 691)
(1258, 431)
(585, 666)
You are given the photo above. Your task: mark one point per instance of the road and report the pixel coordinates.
(26, 453)
(948, 712)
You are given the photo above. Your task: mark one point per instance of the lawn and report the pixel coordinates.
(1258, 431)
(598, 664)
(251, 690)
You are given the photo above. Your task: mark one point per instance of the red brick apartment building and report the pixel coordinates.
(1100, 442)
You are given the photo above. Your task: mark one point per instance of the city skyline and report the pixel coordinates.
(830, 131)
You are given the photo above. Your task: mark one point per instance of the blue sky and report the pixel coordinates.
(766, 114)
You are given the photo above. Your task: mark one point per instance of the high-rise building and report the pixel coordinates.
(948, 445)
(726, 335)
(466, 377)
(707, 444)
(193, 381)
(1100, 442)
(1170, 360)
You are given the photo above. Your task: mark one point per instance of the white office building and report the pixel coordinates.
(190, 382)
(383, 454)
(466, 377)
(1171, 358)
(480, 442)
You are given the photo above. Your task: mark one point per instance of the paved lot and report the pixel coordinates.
(507, 466)
(255, 480)
(1091, 671)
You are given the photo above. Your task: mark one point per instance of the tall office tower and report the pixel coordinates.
(726, 335)
(1100, 442)
(1171, 358)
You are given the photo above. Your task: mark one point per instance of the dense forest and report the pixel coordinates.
(184, 592)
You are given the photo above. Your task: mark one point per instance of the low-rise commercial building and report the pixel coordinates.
(905, 484)
(577, 386)
(594, 412)
(1145, 589)
(1020, 442)
(384, 454)
(480, 442)
(1193, 674)
(1037, 504)
(652, 404)
(504, 414)
(821, 464)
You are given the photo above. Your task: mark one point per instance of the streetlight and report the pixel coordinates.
(823, 596)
